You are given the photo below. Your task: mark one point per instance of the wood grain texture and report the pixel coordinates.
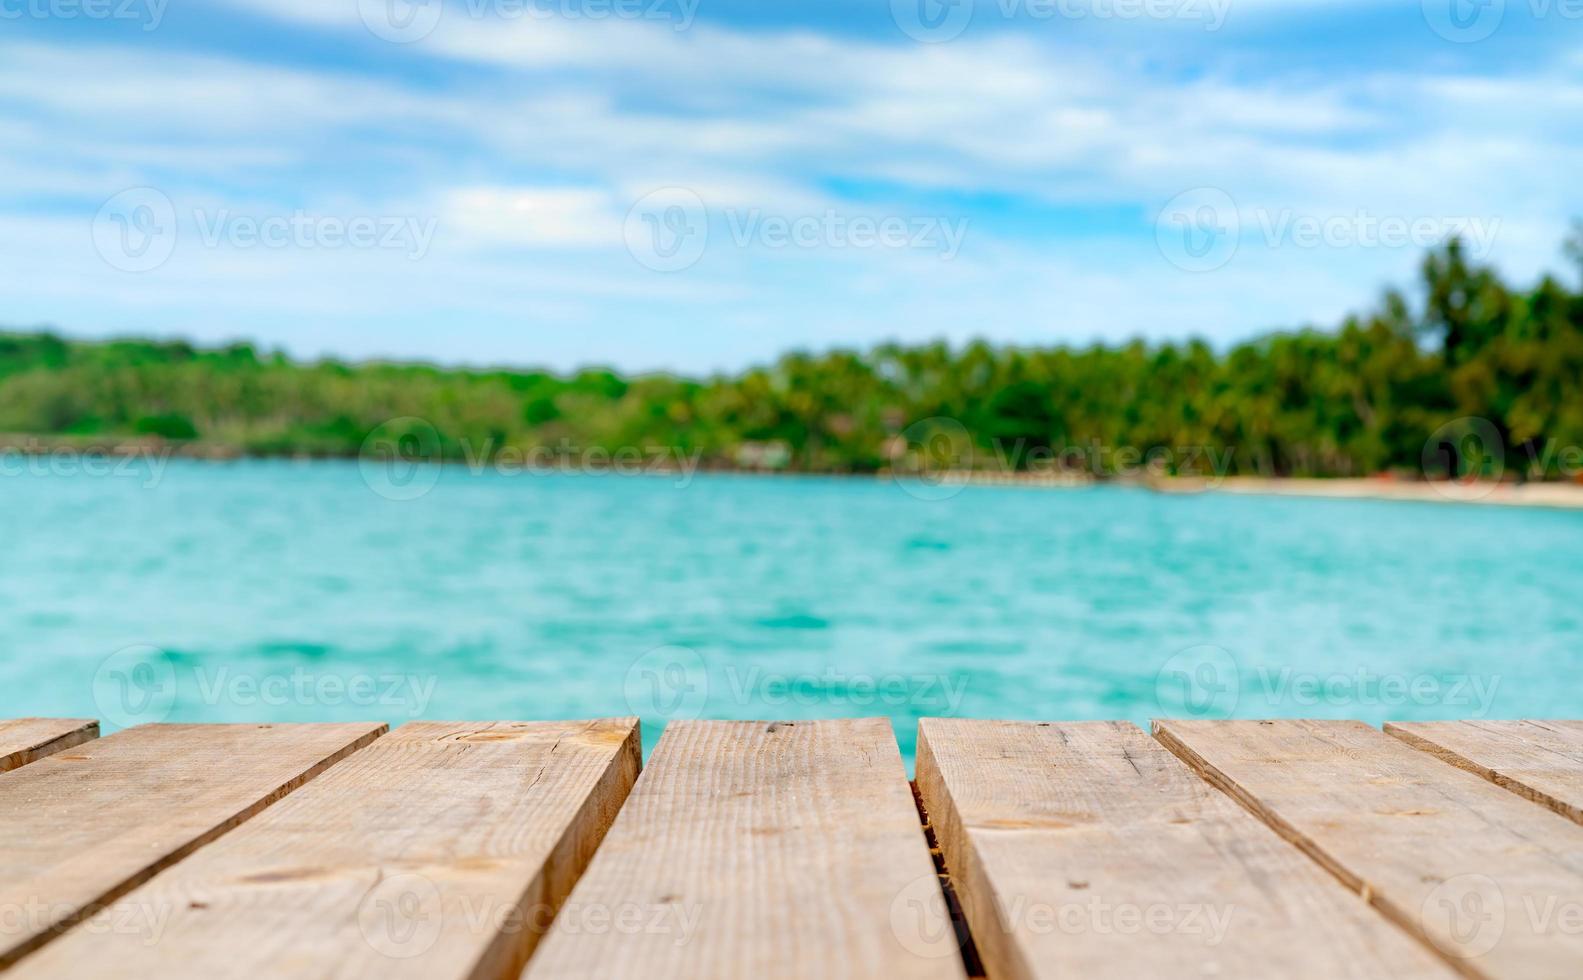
(25, 740)
(86, 825)
(1088, 850)
(1491, 881)
(440, 851)
(759, 849)
(1539, 760)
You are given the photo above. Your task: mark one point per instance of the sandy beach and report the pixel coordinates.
(1560, 495)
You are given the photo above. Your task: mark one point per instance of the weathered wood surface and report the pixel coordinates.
(764, 850)
(1540, 760)
(441, 850)
(25, 740)
(1088, 850)
(86, 825)
(1492, 881)
(792, 849)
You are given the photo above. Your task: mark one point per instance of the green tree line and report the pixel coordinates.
(1363, 398)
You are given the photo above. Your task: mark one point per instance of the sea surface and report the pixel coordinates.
(286, 591)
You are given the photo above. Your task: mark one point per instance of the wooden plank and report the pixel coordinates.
(1088, 850)
(1539, 760)
(25, 740)
(442, 850)
(1491, 881)
(759, 849)
(86, 825)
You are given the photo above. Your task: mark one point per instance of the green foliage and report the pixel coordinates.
(171, 425)
(1364, 398)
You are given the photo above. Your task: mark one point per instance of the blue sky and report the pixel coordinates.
(703, 184)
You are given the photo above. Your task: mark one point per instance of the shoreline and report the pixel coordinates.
(1554, 495)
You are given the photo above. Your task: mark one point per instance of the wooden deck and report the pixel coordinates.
(1241, 849)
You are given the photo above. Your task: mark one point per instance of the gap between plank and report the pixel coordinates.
(1452, 757)
(1291, 835)
(971, 962)
(9, 958)
(54, 738)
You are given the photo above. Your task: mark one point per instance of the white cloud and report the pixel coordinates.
(535, 216)
(574, 122)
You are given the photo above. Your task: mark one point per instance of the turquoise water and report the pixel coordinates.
(293, 591)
